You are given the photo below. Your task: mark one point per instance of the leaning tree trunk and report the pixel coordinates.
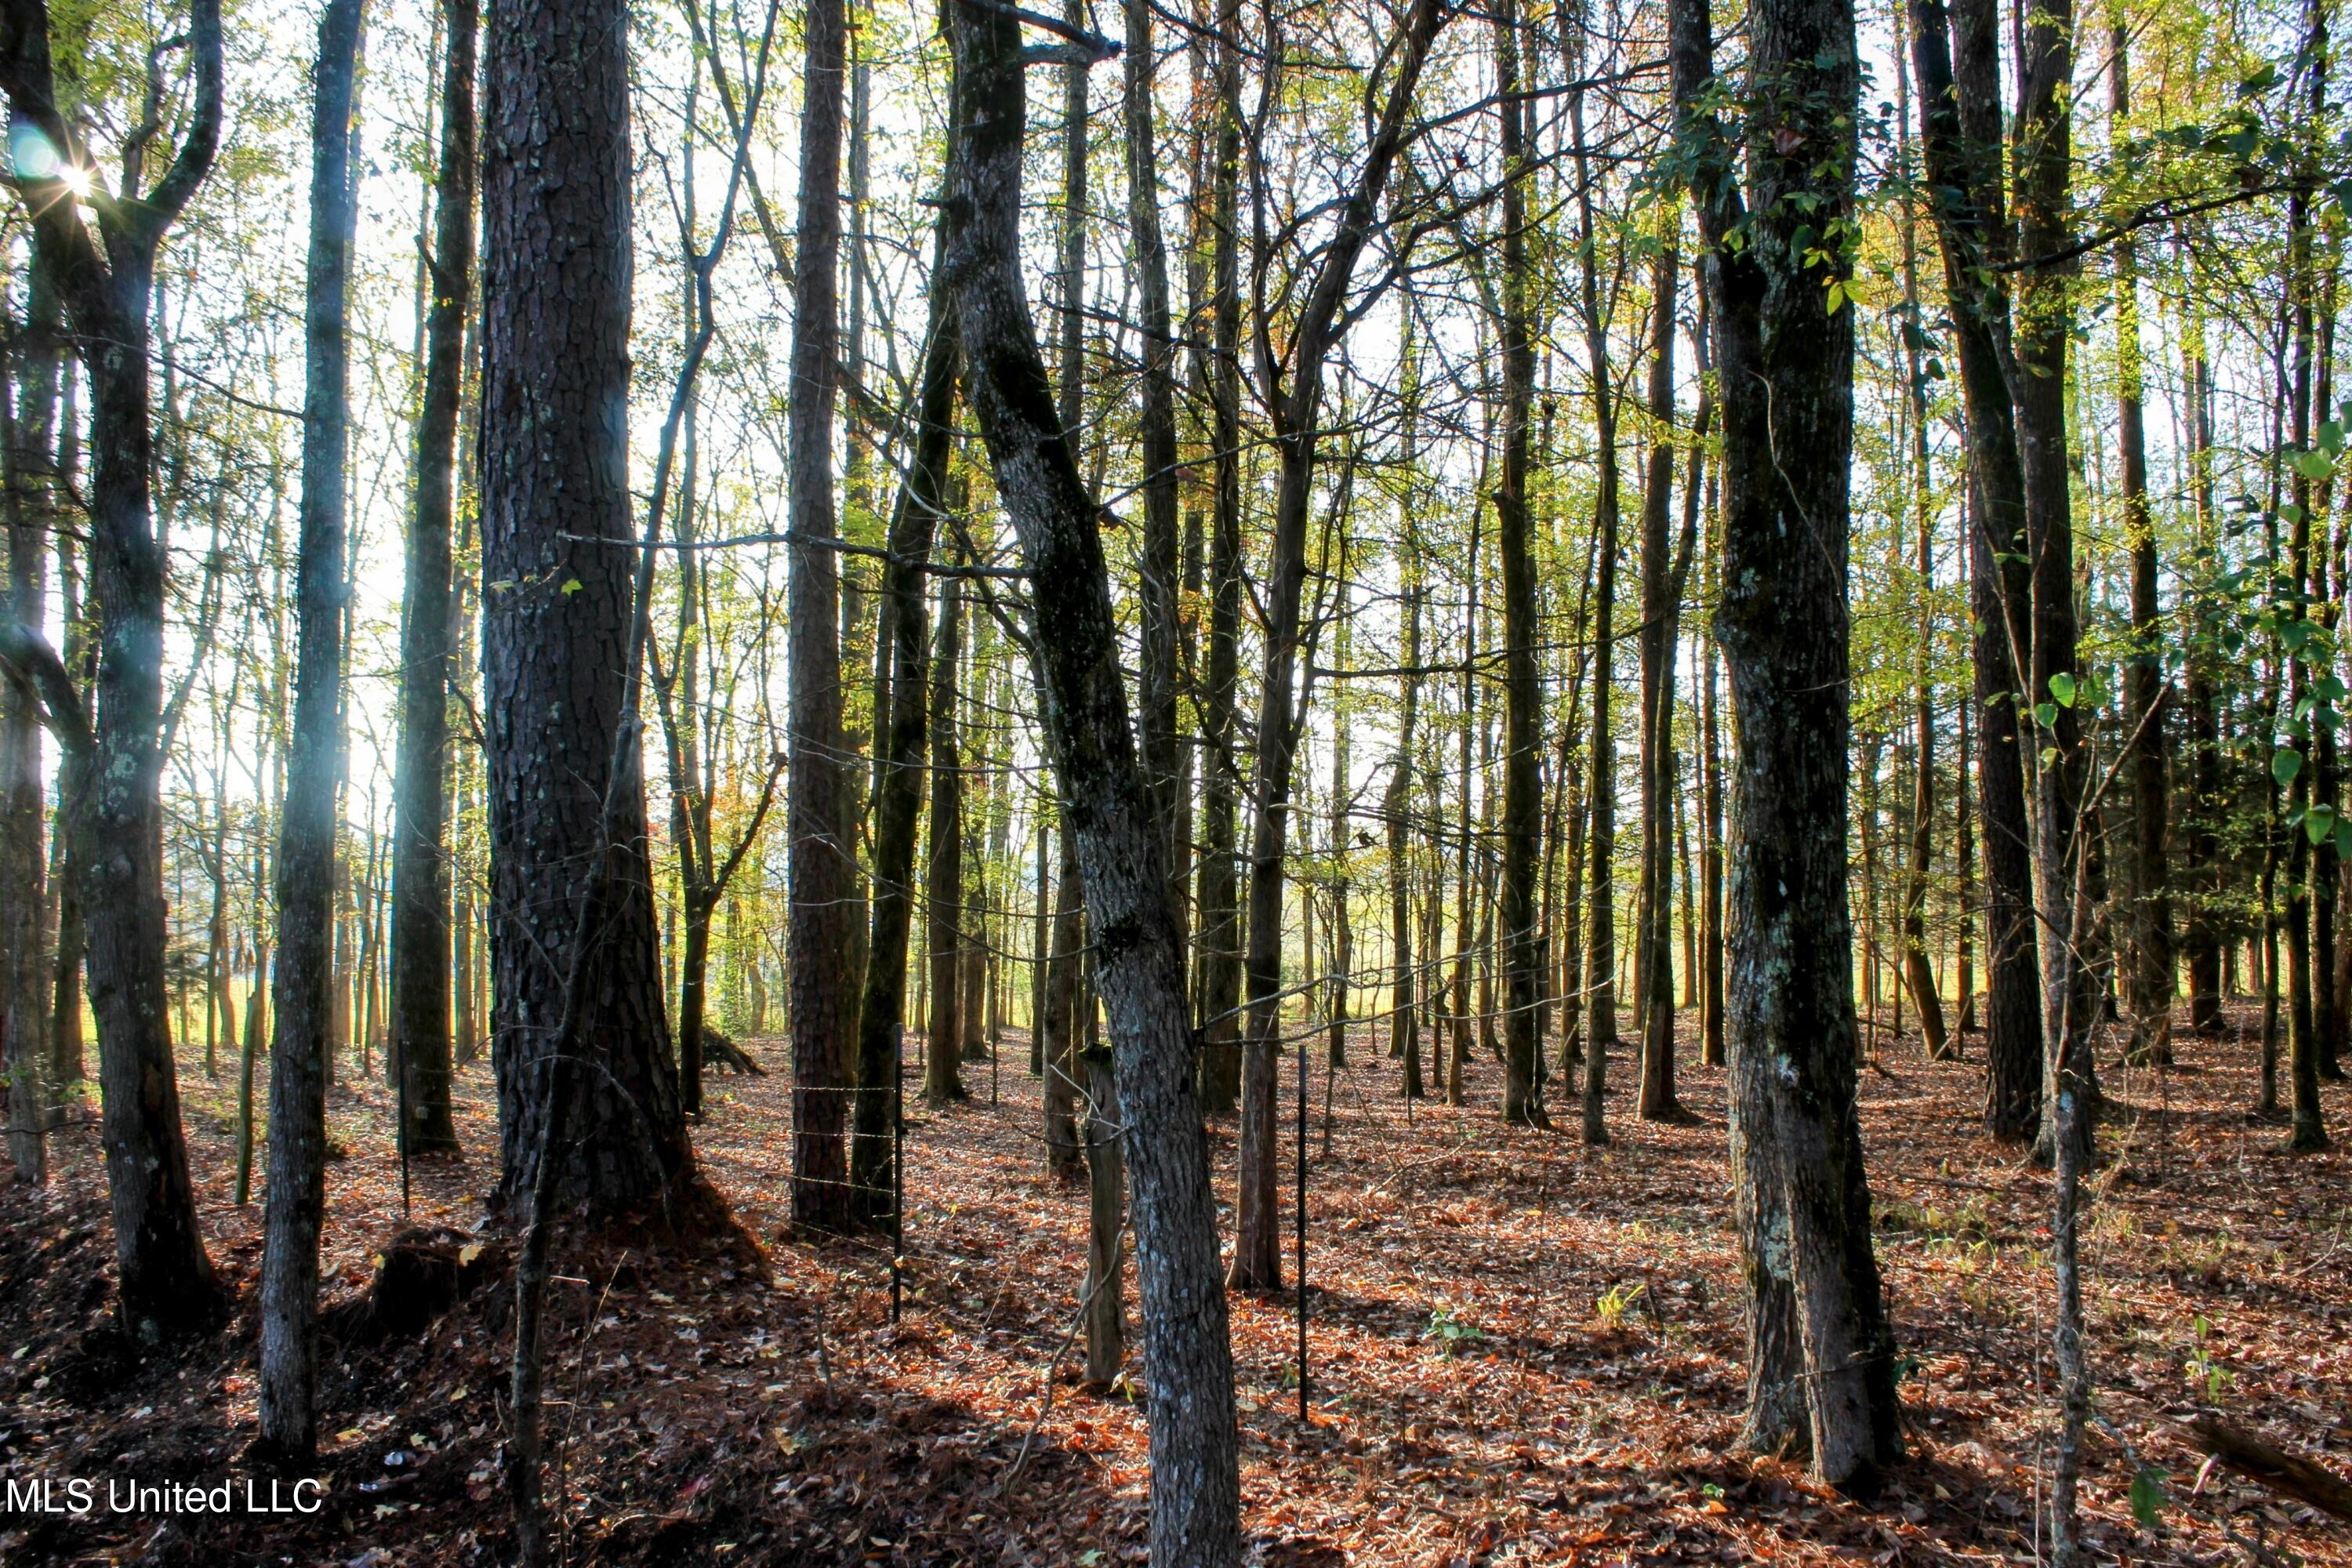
(296, 1200)
(554, 500)
(1822, 1369)
(1195, 1484)
(420, 793)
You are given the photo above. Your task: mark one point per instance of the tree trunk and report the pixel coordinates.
(823, 874)
(555, 376)
(1661, 609)
(166, 1280)
(420, 913)
(1820, 1350)
(1522, 687)
(1960, 108)
(295, 1204)
(1063, 1029)
(944, 893)
(899, 757)
(1195, 1484)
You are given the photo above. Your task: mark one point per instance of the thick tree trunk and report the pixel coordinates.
(555, 379)
(823, 873)
(1787, 363)
(1195, 1485)
(296, 1200)
(420, 910)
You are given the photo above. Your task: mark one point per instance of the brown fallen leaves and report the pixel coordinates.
(1520, 1350)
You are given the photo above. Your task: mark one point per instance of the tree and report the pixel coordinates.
(1195, 1483)
(1821, 1353)
(944, 900)
(1293, 385)
(559, 578)
(115, 827)
(823, 875)
(295, 1204)
(420, 898)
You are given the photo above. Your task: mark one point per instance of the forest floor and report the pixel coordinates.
(1520, 1349)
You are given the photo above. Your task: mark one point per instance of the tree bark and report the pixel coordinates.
(1821, 1351)
(944, 900)
(823, 873)
(1961, 142)
(1662, 590)
(420, 910)
(296, 1200)
(555, 379)
(107, 283)
(1195, 1484)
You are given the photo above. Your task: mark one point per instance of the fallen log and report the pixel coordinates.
(2258, 1459)
(725, 1055)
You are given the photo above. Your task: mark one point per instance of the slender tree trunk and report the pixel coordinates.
(944, 896)
(420, 915)
(1063, 1029)
(2202, 869)
(1957, 59)
(1661, 585)
(296, 1200)
(1522, 687)
(900, 770)
(1195, 1483)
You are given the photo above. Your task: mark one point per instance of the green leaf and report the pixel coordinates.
(2344, 839)
(2147, 1497)
(2315, 465)
(2045, 714)
(2331, 435)
(2062, 687)
(572, 586)
(2318, 823)
(2285, 763)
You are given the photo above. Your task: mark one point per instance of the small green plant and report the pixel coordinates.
(1452, 1334)
(1613, 1302)
(2203, 1366)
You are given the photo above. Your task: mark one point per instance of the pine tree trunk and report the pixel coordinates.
(555, 373)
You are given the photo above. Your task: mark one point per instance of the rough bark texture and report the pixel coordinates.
(1195, 1485)
(1787, 368)
(555, 381)
(822, 872)
(114, 804)
(420, 877)
(306, 836)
